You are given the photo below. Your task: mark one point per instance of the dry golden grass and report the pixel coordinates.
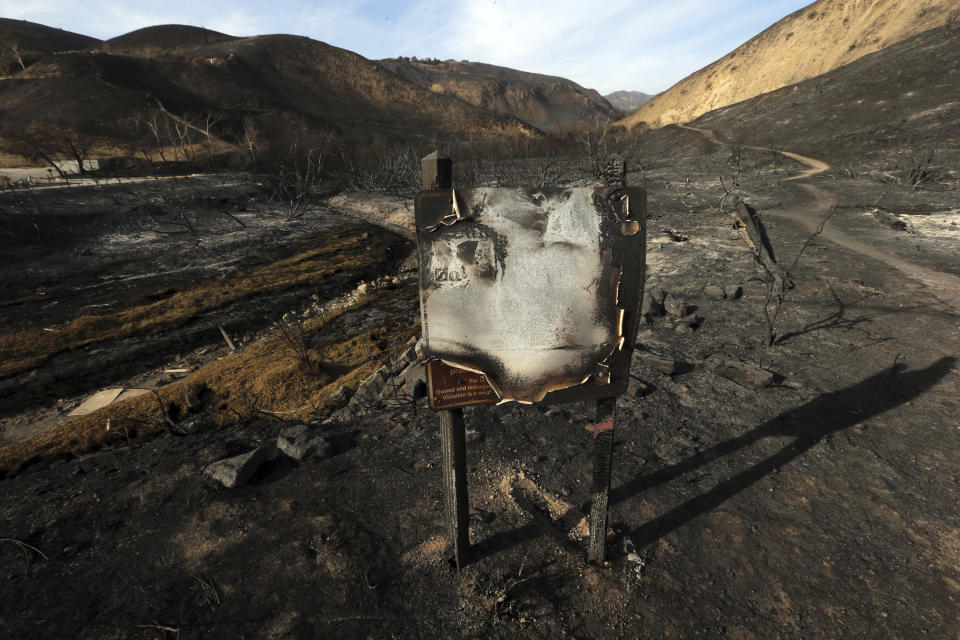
(24, 350)
(265, 377)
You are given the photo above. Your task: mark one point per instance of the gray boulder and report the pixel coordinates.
(237, 470)
(300, 442)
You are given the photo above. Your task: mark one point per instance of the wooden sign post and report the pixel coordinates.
(437, 172)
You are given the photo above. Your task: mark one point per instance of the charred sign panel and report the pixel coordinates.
(536, 289)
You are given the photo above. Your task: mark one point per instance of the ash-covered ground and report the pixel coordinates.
(803, 489)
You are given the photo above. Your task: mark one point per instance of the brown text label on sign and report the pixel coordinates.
(453, 387)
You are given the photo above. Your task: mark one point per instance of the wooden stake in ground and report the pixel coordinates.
(600, 491)
(453, 448)
(437, 171)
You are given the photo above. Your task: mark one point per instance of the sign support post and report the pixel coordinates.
(437, 172)
(600, 490)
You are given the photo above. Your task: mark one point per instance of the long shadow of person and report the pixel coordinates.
(808, 424)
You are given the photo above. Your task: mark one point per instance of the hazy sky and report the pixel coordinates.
(605, 45)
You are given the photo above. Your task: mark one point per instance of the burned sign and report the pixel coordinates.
(535, 290)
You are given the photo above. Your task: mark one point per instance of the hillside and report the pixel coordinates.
(547, 102)
(628, 100)
(22, 43)
(165, 36)
(888, 109)
(282, 82)
(30, 35)
(819, 38)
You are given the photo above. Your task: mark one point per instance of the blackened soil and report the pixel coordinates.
(821, 506)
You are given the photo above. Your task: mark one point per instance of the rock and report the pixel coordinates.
(651, 307)
(340, 397)
(408, 356)
(398, 431)
(667, 366)
(300, 442)
(732, 291)
(715, 292)
(637, 388)
(369, 391)
(236, 471)
(472, 435)
(749, 375)
(362, 288)
(659, 294)
(418, 348)
(890, 220)
(412, 380)
(673, 306)
(192, 424)
(693, 320)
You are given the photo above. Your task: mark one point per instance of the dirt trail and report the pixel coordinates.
(944, 286)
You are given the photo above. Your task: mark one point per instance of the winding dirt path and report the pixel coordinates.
(945, 287)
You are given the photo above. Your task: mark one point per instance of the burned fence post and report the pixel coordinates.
(437, 173)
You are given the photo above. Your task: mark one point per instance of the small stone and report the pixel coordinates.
(674, 306)
(236, 471)
(368, 393)
(300, 442)
(732, 291)
(340, 397)
(412, 380)
(408, 356)
(398, 431)
(742, 373)
(395, 280)
(474, 436)
(659, 294)
(418, 347)
(890, 220)
(192, 424)
(667, 366)
(362, 288)
(715, 292)
(693, 320)
(637, 388)
(651, 307)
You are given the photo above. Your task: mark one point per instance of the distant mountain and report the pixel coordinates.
(282, 82)
(627, 100)
(547, 102)
(823, 36)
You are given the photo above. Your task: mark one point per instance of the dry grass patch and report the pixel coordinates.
(344, 249)
(264, 379)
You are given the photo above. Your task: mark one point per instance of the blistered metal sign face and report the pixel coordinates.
(537, 290)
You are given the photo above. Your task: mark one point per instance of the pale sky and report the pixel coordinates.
(604, 45)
